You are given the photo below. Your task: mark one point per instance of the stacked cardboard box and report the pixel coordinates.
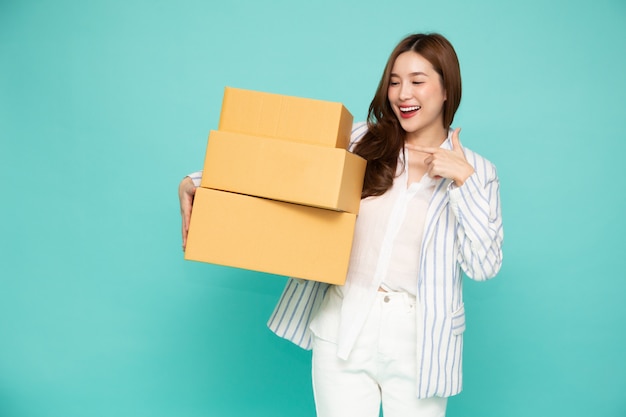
(279, 192)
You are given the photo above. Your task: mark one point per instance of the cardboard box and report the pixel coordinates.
(277, 116)
(270, 236)
(311, 175)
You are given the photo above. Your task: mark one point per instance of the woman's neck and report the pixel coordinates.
(432, 137)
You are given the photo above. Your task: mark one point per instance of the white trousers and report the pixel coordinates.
(381, 368)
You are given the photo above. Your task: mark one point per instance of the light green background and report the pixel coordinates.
(106, 105)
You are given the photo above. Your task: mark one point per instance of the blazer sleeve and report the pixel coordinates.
(196, 177)
(359, 129)
(476, 205)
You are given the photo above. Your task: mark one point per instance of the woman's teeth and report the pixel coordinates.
(409, 109)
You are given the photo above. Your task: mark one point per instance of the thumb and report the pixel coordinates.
(456, 142)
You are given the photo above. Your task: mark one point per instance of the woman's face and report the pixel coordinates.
(416, 95)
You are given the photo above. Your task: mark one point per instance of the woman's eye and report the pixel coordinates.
(393, 83)
(418, 82)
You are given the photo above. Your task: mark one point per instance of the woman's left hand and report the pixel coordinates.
(444, 163)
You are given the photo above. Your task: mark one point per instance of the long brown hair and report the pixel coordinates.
(384, 139)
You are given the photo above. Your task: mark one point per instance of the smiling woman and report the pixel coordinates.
(393, 334)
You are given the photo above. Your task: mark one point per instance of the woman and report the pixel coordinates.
(430, 209)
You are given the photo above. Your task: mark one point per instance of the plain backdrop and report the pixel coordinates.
(106, 104)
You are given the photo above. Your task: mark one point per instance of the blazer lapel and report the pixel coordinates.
(438, 202)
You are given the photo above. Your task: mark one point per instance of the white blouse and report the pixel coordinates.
(388, 235)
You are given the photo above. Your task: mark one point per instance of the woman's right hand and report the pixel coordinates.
(186, 193)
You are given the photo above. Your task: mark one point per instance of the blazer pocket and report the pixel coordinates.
(458, 321)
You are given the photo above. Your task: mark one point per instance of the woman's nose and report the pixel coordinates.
(405, 91)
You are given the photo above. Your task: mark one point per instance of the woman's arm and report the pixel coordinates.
(476, 205)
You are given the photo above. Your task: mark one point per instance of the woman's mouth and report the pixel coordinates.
(408, 111)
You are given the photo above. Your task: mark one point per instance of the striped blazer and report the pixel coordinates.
(463, 232)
